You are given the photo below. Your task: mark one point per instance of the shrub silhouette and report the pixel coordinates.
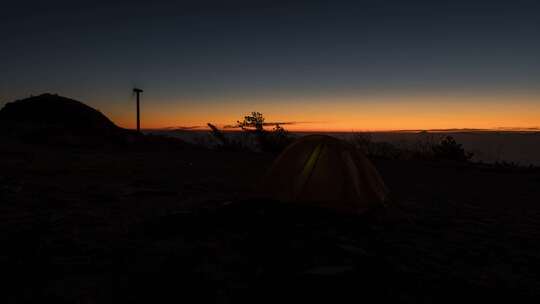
(364, 142)
(268, 141)
(425, 148)
(224, 143)
(274, 141)
(449, 149)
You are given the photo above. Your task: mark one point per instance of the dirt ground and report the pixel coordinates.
(155, 224)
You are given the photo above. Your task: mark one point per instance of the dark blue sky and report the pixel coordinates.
(195, 55)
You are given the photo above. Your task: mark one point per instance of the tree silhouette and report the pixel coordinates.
(273, 141)
(253, 122)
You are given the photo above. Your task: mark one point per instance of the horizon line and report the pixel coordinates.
(445, 130)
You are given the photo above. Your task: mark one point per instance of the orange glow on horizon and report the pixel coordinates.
(351, 113)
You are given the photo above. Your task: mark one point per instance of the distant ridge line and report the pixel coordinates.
(450, 130)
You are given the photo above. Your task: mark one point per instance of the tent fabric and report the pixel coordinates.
(325, 171)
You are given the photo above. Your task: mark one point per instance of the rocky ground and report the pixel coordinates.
(155, 224)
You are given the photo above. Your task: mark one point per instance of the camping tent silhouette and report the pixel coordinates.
(325, 171)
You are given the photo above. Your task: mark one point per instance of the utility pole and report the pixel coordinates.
(138, 92)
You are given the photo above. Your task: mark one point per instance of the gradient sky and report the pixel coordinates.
(324, 65)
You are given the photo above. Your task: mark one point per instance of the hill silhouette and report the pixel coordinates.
(48, 110)
(49, 117)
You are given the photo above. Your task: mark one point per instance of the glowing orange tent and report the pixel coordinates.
(325, 171)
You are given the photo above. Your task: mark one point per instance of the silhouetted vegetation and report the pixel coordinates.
(385, 150)
(217, 134)
(423, 147)
(253, 131)
(253, 122)
(224, 142)
(426, 148)
(273, 141)
(449, 149)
